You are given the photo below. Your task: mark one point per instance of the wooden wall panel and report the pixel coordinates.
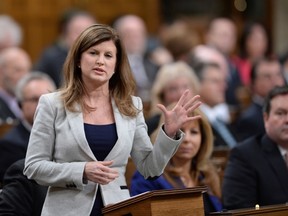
(39, 18)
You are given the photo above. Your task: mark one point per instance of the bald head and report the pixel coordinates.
(11, 32)
(14, 64)
(133, 32)
(78, 23)
(206, 54)
(222, 35)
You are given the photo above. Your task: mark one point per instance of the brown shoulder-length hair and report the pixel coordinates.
(121, 84)
(201, 165)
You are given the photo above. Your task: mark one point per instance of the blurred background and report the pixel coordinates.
(39, 18)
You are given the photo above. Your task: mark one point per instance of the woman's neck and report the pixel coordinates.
(184, 165)
(97, 97)
(98, 109)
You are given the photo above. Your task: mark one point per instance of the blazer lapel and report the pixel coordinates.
(277, 163)
(76, 123)
(122, 124)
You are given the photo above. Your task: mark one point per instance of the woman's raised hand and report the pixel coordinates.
(179, 115)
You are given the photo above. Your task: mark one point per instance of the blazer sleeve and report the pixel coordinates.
(150, 159)
(39, 164)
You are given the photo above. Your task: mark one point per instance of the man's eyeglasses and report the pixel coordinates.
(32, 99)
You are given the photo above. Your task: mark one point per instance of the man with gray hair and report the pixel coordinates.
(11, 32)
(28, 91)
(14, 64)
(133, 31)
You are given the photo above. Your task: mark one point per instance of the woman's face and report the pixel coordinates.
(98, 64)
(175, 88)
(257, 42)
(191, 142)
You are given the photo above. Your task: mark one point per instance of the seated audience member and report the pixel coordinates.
(222, 35)
(11, 32)
(14, 64)
(284, 63)
(14, 144)
(135, 38)
(283, 58)
(179, 39)
(71, 24)
(256, 172)
(254, 44)
(207, 54)
(21, 196)
(212, 91)
(171, 81)
(189, 167)
(265, 75)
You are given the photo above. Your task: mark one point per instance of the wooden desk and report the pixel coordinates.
(273, 210)
(184, 202)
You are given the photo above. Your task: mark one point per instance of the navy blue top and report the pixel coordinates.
(101, 139)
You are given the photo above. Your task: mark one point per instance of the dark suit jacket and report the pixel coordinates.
(251, 122)
(153, 123)
(51, 62)
(5, 111)
(150, 68)
(21, 196)
(13, 147)
(233, 83)
(218, 140)
(256, 173)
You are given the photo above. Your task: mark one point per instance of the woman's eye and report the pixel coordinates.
(194, 131)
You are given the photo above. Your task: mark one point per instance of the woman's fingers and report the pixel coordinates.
(181, 102)
(105, 178)
(100, 172)
(192, 104)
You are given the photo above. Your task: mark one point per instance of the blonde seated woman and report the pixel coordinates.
(189, 167)
(171, 81)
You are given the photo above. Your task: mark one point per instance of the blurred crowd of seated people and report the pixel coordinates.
(242, 83)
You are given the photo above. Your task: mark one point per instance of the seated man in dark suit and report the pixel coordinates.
(265, 75)
(14, 64)
(13, 145)
(21, 196)
(214, 105)
(256, 172)
(71, 23)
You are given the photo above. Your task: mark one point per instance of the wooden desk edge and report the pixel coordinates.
(150, 194)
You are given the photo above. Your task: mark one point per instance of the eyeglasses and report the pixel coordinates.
(32, 99)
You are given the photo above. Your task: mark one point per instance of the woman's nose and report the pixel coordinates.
(99, 60)
(99, 63)
(187, 136)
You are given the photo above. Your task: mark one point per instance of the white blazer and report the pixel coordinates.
(58, 150)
